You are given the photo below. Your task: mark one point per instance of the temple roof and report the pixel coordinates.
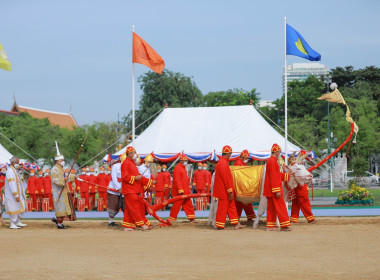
(55, 118)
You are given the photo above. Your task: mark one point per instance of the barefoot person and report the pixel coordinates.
(63, 204)
(144, 170)
(114, 198)
(181, 186)
(14, 195)
(132, 188)
(301, 201)
(225, 193)
(274, 193)
(248, 208)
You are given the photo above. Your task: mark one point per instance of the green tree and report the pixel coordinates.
(103, 137)
(302, 98)
(231, 97)
(368, 77)
(35, 136)
(72, 140)
(305, 131)
(303, 108)
(38, 137)
(344, 76)
(170, 88)
(359, 165)
(307, 116)
(366, 117)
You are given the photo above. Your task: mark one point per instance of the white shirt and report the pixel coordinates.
(115, 174)
(144, 170)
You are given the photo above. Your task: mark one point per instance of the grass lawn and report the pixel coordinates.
(335, 193)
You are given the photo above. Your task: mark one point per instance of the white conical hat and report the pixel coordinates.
(58, 156)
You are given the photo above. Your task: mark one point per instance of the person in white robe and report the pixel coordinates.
(14, 196)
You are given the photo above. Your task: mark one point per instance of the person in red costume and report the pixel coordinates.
(274, 193)
(2, 178)
(93, 188)
(208, 178)
(40, 186)
(133, 186)
(248, 208)
(199, 179)
(2, 184)
(168, 181)
(301, 202)
(48, 188)
(181, 186)
(73, 186)
(32, 189)
(103, 180)
(224, 191)
(84, 188)
(160, 186)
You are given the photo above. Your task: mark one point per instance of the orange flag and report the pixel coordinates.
(144, 54)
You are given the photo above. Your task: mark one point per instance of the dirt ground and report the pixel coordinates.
(334, 248)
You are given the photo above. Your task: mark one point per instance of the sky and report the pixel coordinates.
(77, 54)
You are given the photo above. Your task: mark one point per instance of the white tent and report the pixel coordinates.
(201, 133)
(5, 156)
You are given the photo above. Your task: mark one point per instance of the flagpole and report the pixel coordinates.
(133, 95)
(286, 99)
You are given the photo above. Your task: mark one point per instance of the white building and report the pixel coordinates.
(300, 71)
(264, 103)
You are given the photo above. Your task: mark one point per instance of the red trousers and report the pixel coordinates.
(142, 209)
(201, 190)
(166, 194)
(248, 209)
(104, 196)
(85, 195)
(277, 208)
(33, 197)
(133, 212)
(226, 206)
(187, 206)
(301, 203)
(159, 197)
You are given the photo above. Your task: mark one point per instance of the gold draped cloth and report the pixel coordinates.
(247, 182)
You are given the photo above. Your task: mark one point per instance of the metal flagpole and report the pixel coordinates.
(286, 99)
(133, 94)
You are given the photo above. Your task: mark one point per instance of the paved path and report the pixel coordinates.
(349, 211)
(323, 201)
(322, 207)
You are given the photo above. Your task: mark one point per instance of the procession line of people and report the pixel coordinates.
(129, 181)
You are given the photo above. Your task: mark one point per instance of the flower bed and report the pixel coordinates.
(355, 195)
